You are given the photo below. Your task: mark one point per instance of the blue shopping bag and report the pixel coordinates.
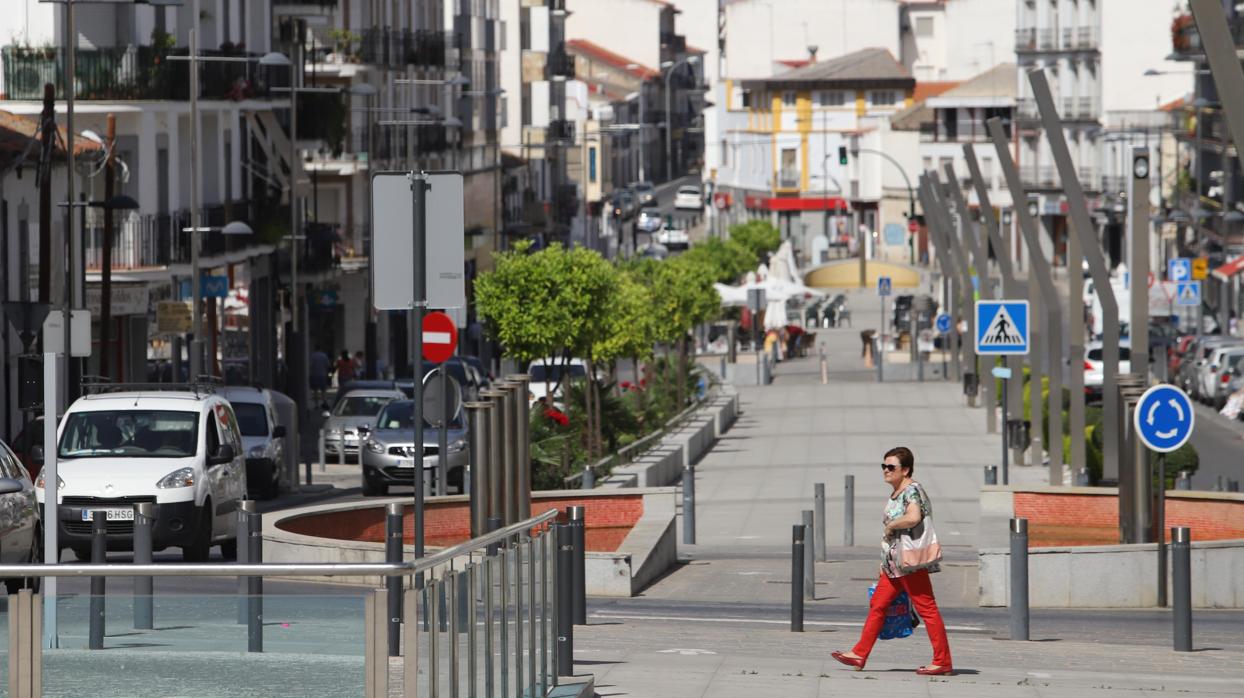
(898, 616)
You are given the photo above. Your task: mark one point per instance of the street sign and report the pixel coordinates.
(435, 384)
(1001, 372)
(755, 299)
(440, 337)
(1001, 327)
(1188, 293)
(1179, 269)
(943, 323)
(1200, 268)
(393, 241)
(912, 225)
(1164, 418)
(884, 286)
(80, 332)
(173, 317)
(209, 287)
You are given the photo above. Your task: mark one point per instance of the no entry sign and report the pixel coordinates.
(440, 337)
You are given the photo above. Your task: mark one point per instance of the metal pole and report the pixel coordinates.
(1075, 357)
(479, 415)
(809, 564)
(1019, 579)
(848, 511)
(1006, 433)
(144, 587)
(241, 532)
(578, 573)
(522, 442)
(818, 506)
(419, 190)
(1181, 586)
(496, 453)
(69, 299)
(254, 591)
(442, 434)
(991, 474)
(881, 344)
(796, 579)
(1161, 526)
(1082, 226)
(565, 601)
(99, 544)
(688, 504)
(393, 554)
(196, 235)
(1138, 264)
(512, 469)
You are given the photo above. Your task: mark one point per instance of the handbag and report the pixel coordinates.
(898, 616)
(918, 548)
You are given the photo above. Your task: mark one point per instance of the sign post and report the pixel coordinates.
(440, 338)
(1002, 330)
(884, 286)
(756, 303)
(1163, 421)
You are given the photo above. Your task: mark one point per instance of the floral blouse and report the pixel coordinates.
(895, 507)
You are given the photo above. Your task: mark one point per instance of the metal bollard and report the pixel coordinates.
(321, 461)
(144, 587)
(1181, 586)
(578, 574)
(848, 511)
(1019, 579)
(99, 553)
(824, 369)
(796, 579)
(1184, 481)
(479, 415)
(1233, 485)
(589, 477)
(254, 591)
(242, 537)
(723, 368)
(991, 474)
(494, 522)
(565, 602)
(809, 564)
(688, 505)
(818, 505)
(1219, 486)
(393, 554)
(341, 448)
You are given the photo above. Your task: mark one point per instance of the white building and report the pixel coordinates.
(954, 39)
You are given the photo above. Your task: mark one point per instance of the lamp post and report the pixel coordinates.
(669, 117)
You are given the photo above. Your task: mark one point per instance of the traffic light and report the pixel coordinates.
(842, 155)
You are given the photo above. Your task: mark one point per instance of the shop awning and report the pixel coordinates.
(1230, 269)
(783, 203)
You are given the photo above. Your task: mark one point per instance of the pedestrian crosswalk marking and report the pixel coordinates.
(1002, 327)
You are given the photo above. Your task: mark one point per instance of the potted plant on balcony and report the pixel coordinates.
(344, 42)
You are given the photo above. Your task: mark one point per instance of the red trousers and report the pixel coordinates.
(920, 591)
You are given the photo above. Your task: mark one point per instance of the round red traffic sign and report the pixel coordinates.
(912, 225)
(440, 337)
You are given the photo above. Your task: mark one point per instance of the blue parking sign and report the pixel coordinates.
(884, 286)
(1001, 327)
(1179, 269)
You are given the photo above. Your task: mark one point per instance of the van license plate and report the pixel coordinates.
(110, 514)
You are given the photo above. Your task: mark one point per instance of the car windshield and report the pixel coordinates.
(554, 372)
(143, 433)
(689, 190)
(252, 418)
(643, 186)
(361, 405)
(399, 414)
(1125, 354)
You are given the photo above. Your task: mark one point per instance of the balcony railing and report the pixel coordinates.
(152, 241)
(560, 130)
(322, 4)
(1026, 39)
(1026, 109)
(788, 179)
(1113, 184)
(1039, 176)
(561, 64)
(397, 48)
(128, 73)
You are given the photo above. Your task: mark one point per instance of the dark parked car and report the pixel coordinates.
(19, 519)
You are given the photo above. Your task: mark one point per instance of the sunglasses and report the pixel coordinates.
(889, 467)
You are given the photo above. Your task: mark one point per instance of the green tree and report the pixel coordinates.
(683, 296)
(759, 237)
(729, 259)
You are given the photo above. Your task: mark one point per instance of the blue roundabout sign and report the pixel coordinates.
(1164, 418)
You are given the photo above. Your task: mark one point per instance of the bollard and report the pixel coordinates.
(254, 591)
(1184, 481)
(241, 534)
(1233, 485)
(144, 587)
(991, 474)
(1218, 485)
(589, 477)
(1082, 477)
(393, 554)
(494, 522)
(796, 579)
(479, 420)
(341, 449)
(522, 445)
(818, 504)
(723, 368)
(99, 553)
(578, 574)
(565, 602)
(1181, 586)
(848, 511)
(688, 505)
(1019, 579)
(321, 461)
(824, 370)
(809, 566)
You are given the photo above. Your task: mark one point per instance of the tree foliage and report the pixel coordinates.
(758, 237)
(729, 259)
(683, 296)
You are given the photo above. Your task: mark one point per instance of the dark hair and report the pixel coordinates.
(906, 459)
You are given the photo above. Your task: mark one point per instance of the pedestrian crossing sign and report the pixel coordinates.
(1188, 293)
(1001, 327)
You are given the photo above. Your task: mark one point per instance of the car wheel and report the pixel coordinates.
(229, 548)
(374, 490)
(199, 548)
(16, 584)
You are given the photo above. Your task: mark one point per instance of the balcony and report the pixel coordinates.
(788, 179)
(560, 65)
(560, 130)
(1026, 110)
(133, 73)
(399, 48)
(1039, 177)
(147, 241)
(1113, 184)
(297, 7)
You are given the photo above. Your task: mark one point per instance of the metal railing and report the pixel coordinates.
(397, 48)
(509, 574)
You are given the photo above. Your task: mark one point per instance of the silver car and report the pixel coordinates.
(388, 457)
(354, 409)
(19, 520)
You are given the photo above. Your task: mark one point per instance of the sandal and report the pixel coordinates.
(934, 670)
(857, 662)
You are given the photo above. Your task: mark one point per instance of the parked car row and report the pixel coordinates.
(1209, 367)
(625, 203)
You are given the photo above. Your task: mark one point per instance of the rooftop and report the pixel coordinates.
(997, 83)
(17, 132)
(601, 54)
(866, 66)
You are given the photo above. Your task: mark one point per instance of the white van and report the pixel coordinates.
(181, 450)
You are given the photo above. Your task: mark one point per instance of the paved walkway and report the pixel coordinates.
(718, 624)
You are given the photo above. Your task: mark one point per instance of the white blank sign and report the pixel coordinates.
(393, 241)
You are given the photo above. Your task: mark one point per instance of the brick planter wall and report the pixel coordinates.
(1078, 517)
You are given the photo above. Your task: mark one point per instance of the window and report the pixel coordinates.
(881, 98)
(924, 26)
(591, 165)
(987, 170)
(747, 99)
(789, 175)
(145, 433)
(788, 98)
(252, 418)
(831, 98)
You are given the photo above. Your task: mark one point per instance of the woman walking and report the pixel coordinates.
(907, 507)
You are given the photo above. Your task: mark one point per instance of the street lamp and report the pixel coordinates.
(670, 66)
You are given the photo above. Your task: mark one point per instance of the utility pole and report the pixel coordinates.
(105, 280)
